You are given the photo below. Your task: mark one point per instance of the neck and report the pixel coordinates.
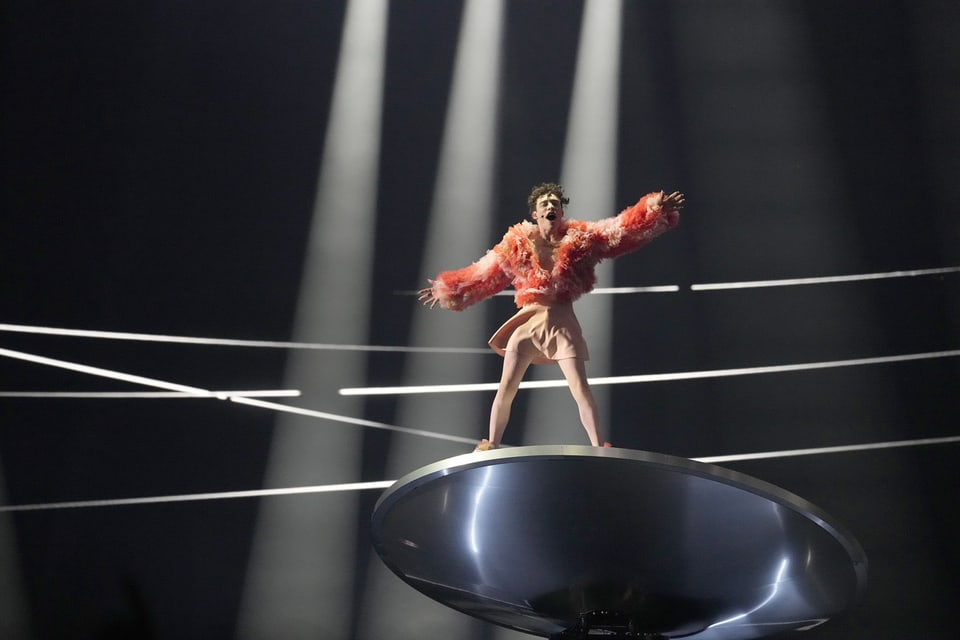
(553, 236)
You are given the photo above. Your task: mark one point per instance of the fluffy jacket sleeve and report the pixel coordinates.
(633, 227)
(459, 289)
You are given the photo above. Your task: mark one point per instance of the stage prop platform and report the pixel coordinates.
(574, 542)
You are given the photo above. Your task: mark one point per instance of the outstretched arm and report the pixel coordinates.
(654, 214)
(457, 290)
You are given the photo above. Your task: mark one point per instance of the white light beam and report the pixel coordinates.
(107, 373)
(385, 484)
(111, 395)
(717, 286)
(651, 377)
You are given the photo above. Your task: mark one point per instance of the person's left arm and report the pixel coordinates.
(652, 215)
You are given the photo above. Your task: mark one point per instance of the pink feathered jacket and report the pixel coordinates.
(584, 244)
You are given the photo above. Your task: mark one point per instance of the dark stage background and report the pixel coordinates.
(168, 168)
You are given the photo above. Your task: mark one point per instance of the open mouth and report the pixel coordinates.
(551, 216)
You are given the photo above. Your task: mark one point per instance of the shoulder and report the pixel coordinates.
(578, 230)
(515, 240)
(519, 232)
(524, 228)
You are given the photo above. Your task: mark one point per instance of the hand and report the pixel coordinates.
(672, 202)
(426, 296)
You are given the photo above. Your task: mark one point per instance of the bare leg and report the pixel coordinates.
(514, 366)
(575, 371)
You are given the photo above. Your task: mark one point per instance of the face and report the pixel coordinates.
(549, 212)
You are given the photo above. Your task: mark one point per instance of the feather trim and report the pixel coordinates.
(584, 244)
(457, 290)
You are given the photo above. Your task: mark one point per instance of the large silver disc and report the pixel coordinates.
(549, 539)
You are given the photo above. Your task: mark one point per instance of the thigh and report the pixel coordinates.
(514, 366)
(575, 371)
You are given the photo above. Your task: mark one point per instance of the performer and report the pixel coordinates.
(550, 263)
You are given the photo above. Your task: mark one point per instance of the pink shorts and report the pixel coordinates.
(547, 333)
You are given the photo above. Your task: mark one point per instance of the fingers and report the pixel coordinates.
(669, 198)
(426, 297)
(675, 200)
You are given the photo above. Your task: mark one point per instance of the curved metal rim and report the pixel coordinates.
(729, 477)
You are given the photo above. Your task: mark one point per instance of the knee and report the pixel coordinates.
(581, 392)
(505, 395)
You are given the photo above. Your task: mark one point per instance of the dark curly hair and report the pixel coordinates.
(543, 189)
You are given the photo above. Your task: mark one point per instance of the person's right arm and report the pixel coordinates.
(459, 289)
